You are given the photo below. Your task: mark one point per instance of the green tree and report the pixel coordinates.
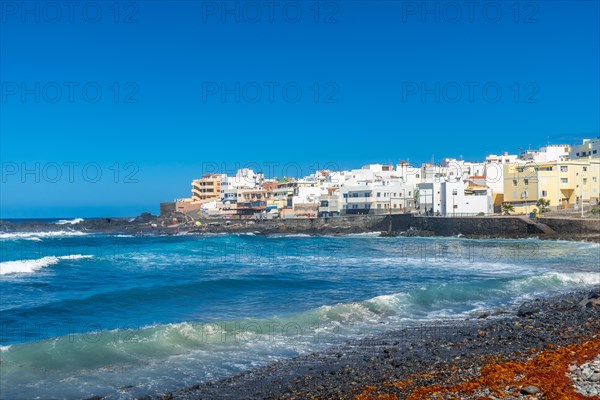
(507, 208)
(543, 205)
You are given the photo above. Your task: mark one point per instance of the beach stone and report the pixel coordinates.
(527, 310)
(595, 377)
(530, 390)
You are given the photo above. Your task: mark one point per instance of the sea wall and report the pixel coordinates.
(469, 226)
(569, 225)
(338, 225)
(398, 224)
(412, 225)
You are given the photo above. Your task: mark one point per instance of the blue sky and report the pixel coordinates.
(380, 81)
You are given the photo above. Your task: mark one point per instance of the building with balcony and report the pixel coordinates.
(376, 197)
(207, 188)
(329, 204)
(565, 184)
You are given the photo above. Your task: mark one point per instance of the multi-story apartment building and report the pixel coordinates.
(329, 204)
(590, 148)
(373, 197)
(207, 188)
(565, 184)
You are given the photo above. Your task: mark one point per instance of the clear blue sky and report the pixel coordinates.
(370, 60)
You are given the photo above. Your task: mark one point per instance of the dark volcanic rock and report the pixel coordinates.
(527, 310)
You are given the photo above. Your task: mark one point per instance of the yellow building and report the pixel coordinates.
(563, 183)
(207, 189)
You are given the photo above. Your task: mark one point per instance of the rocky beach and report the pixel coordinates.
(545, 349)
(408, 225)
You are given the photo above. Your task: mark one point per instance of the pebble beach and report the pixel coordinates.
(545, 349)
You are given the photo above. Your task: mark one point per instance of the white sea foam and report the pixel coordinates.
(36, 236)
(69, 221)
(287, 235)
(364, 234)
(30, 266)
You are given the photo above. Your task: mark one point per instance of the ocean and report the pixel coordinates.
(123, 316)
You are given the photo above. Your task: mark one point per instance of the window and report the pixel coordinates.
(526, 181)
(594, 179)
(544, 193)
(584, 169)
(378, 205)
(367, 194)
(577, 154)
(595, 151)
(585, 181)
(378, 194)
(564, 168)
(514, 182)
(564, 180)
(345, 195)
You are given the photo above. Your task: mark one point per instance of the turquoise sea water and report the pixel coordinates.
(122, 316)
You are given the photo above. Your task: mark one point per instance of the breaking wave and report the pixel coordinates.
(30, 266)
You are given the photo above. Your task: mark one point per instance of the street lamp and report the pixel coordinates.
(581, 190)
(524, 195)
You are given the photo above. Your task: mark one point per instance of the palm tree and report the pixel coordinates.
(507, 208)
(543, 204)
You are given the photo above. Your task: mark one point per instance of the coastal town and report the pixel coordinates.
(554, 178)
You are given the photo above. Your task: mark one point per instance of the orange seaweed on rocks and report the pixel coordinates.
(546, 370)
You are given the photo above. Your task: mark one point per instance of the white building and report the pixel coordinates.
(372, 197)
(549, 153)
(244, 178)
(430, 197)
(590, 148)
(307, 195)
(408, 174)
(465, 197)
